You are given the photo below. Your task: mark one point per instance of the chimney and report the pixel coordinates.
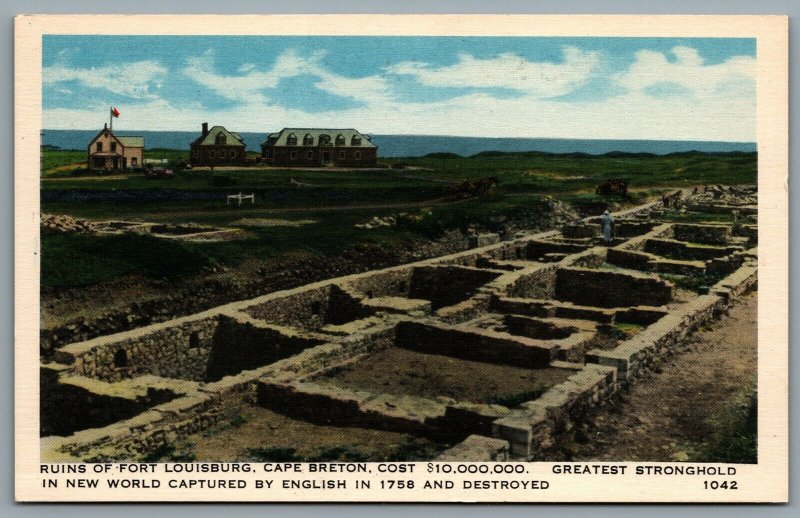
(205, 129)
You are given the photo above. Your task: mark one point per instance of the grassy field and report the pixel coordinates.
(331, 203)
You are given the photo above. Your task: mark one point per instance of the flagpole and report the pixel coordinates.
(111, 118)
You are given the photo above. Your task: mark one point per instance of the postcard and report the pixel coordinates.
(396, 258)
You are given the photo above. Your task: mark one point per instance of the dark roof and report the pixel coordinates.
(210, 139)
(315, 133)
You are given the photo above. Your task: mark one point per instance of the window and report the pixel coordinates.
(266, 153)
(120, 359)
(308, 140)
(221, 139)
(291, 140)
(342, 154)
(99, 146)
(194, 340)
(212, 153)
(310, 155)
(113, 146)
(355, 141)
(134, 161)
(357, 155)
(340, 140)
(324, 140)
(293, 155)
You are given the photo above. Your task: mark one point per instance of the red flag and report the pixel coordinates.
(115, 112)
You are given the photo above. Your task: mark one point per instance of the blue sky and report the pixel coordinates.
(647, 88)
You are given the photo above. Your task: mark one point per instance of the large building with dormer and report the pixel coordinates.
(318, 147)
(110, 152)
(217, 146)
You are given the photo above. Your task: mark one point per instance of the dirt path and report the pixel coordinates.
(669, 415)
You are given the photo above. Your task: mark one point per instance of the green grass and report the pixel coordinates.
(625, 330)
(696, 283)
(71, 260)
(535, 170)
(337, 201)
(517, 172)
(736, 439)
(58, 158)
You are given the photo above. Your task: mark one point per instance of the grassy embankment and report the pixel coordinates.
(335, 201)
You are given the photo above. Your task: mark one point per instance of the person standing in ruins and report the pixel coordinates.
(608, 225)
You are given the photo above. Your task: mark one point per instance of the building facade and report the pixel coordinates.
(109, 152)
(319, 147)
(217, 146)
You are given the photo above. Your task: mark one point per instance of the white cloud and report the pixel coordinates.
(732, 78)
(536, 79)
(248, 87)
(722, 105)
(139, 80)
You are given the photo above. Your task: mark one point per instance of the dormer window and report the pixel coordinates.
(340, 140)
(324, 140)
(221, 139)
(291, 140)
(308, 140)
(355, 141)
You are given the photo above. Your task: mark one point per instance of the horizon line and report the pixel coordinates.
(435, 135)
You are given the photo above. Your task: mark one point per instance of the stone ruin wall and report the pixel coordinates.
(305, 309)
(532, 426)
(171, 351)
(588, 287)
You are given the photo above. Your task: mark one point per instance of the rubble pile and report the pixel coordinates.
(64, 224)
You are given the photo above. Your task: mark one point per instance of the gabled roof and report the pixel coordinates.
(130, 141)
(315, 133)
(233, 139)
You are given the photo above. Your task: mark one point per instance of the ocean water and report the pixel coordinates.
(419, 145)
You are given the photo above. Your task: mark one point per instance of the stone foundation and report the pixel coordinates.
(533, 302)
(611, 289)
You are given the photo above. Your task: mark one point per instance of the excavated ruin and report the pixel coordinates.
(494, 350)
